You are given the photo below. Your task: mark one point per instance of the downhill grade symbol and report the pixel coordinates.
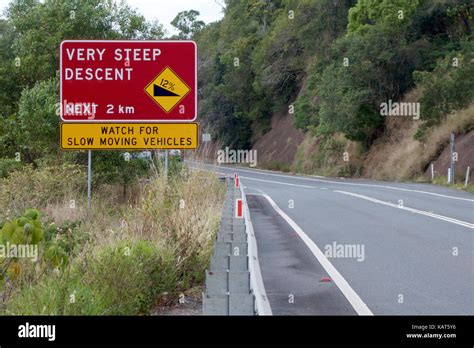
(128, 81)
(167, 89)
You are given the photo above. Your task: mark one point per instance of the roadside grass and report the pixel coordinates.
(459, 183)
(277, 166)
(398, 156)
(332, 156)
(119, 257)
(39, 188)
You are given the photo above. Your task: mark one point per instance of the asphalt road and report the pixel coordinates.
(340, 246)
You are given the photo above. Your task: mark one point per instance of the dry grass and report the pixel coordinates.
(316, 156)
(398, 156)
(394, 156)
(183, 213)
(30, 188)
(168, 225)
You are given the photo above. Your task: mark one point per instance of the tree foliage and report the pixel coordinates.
(333, 62)
(30, 36)
(253, 62)
(375, 61)
(449, 87)
(187, 24)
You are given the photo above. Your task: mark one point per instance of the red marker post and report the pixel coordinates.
(239, 211)
(236, 180)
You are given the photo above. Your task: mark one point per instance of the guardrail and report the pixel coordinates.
(262, 305)
(234, 285)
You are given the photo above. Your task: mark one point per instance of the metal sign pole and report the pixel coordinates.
(166, 163)
(89, 177)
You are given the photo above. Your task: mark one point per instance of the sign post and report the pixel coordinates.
(166, 163)
(89, 177)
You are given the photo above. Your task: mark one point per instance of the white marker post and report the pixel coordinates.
(449, 175)
(89, 177)
(453, 164)
(467, 176)
(432, 171)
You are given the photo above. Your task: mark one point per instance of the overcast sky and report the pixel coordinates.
(165, 10)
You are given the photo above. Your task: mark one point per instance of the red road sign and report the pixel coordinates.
(127, 81)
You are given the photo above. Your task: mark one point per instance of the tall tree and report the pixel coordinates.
(187, 24)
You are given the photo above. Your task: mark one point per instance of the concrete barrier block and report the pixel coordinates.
(225, 227)
(237, 227)
(241, 304)
(224, 237)
(215, 305)
(239, 282)
(222, 248)
(227, 220)
(238, 263)
(219, 263)
(239, 237)
(217, 283)
(239, 222)
(239, 248)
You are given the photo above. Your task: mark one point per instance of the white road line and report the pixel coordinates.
(276, 182)
(356, 302)
(343, 183)
(263, 171)
(257, 286)
(258, 190)
(413, 210)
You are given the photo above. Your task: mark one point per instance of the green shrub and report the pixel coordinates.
(118, 279)
(7, 166)
(162, 251)
(24, 230)
(448, 88)
(277, 165)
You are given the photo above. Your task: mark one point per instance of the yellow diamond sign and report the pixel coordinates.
(167, 89)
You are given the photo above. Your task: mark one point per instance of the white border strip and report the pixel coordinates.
(356, 302)
(256, 281)
(194, 88)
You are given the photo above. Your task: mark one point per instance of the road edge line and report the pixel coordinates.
(327, 180)
(354, 299)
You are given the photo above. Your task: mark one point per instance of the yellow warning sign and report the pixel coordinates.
(167, 89)
(128, 136)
